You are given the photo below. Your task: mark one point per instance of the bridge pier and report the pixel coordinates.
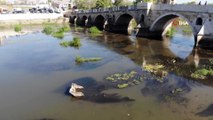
(205, 35)
(145, 32)
(72, 20)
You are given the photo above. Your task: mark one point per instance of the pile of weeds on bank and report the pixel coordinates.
(55, 31)
(74, 43)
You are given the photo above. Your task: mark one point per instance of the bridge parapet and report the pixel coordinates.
(183, 8)
(111, 9)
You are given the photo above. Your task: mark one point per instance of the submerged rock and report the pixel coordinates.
(207, 112)
(94, 91)
(169, 90)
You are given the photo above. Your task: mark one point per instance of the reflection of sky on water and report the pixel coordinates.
(181, 45)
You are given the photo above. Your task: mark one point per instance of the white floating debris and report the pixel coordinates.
(76, 90)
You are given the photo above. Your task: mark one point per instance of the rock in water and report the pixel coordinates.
(76, 90)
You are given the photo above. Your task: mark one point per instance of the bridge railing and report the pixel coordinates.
(111, 9)
(183, 8)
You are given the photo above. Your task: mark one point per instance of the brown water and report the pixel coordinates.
(35, 72)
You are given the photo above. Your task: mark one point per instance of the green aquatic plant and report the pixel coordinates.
(202, 73)
(153, 68)
(94, 31)
(18, 28)
(58, 34)
(156, 69)
(124, 85)
(123, 80)
(80, 59)
(48, 30)
(65, 28)
(74, 43)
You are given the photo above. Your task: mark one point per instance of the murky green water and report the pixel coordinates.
(35, 72)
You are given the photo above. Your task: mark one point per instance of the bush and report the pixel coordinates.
(18, 28)
(48, 30)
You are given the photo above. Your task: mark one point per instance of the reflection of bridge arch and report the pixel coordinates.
(160, 23)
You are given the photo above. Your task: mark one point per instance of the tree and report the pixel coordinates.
(103, 3)
(118, 2)
(122, 3)
(191, 3)
(85, 4)
(138, 1)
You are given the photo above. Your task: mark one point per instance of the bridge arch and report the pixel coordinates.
(160, 23)
(99, 22)
(199, 21)
(81, 21)
(89, 21)
(123, 21)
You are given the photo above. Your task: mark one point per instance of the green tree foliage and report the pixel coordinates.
(85, 4)
(118, 2)
(138, 1)
(191, 3)
(103, 3)
(122, 3)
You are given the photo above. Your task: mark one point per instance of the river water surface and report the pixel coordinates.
(36, 72)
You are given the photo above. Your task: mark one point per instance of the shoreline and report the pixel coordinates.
(7, 30)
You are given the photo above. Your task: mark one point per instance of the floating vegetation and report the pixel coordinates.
(94, 31)
(202, 73)
(80, 59)
(65, 28)
(126, 79)
(74, 43)
(124, 85)
(58, 34)
(156, 69)
(18, 28)
(48, 30)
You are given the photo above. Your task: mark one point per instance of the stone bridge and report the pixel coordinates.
(152, 19)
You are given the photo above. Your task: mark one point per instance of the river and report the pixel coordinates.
(36, 72)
